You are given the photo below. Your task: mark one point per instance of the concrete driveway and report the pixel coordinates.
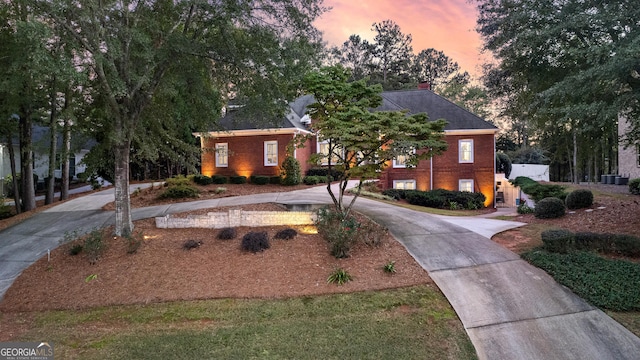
(510, 310)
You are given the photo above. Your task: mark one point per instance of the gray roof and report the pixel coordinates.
(415, 101)
(436, 107)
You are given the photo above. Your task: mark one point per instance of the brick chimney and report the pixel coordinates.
(424, 85)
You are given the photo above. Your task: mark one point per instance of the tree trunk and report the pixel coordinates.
(26, 163)
(124, 224)
(575, 157)
(14, 176)
(53, 143)
(66, 152)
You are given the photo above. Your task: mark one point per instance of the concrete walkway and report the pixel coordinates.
(510, 310)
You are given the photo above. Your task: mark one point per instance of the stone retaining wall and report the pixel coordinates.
(236, 218)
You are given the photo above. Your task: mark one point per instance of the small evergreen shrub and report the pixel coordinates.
(292, 173)
(227, 233)
(634, 186)
(275, 180)
(202, 180)
(179, 180)
(286, 234)
(191, 244)
(524, 209)
(219, 179)
(238, 179)
(179, 192)
(259, 180)
(549, 208)
(339, 232)
(539, 191)
(255, 242)
(558, 241)
(593, 241)
(427, 199)
(94, 245)
(313, 180)
(324, 171)
(75, 249)
(5, 210)
(579, 199)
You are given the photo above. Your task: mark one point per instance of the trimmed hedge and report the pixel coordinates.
(579, 199)
(259, 179)
(202, 180)
(313, 180)
(549, 208)
(238, 179)
(634, 186)
(439, 198)
(219, 179)
(324, 171)
(563, 241)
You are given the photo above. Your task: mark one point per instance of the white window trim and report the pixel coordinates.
(224, 146)
(638, 155)
(461, 181)
(266, 154)
(396, 182)
(402, 165)
(325, 157)
(460, 143)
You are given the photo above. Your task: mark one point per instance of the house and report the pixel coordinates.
(40, 144)
(628, 156)
(468, 165)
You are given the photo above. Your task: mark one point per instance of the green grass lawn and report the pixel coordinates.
(410, 323)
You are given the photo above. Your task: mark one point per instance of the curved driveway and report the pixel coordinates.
(510, 309)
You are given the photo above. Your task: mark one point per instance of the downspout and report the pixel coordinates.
(431, 171)
(495, 205)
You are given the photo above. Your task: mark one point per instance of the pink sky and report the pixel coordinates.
(445, 25)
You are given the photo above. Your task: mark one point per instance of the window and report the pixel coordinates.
(465, 151)
(404, 184)
(465, 185)
(222, 155)
(400, 161)
(323, 149)
(270, 153)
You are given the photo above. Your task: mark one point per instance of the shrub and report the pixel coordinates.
(395, 193)
(371, 233)
(179, 192)
(238, 179)
(275, 180)
(549, 208)
(202, 180)
(634, 186)
(191, 244)
(227, 234)
(559, 241)
(292, 174)
(220, 190)
(324, 171)
(524, 209)
(75, 249)
(259, 180)
(313, 180)
(255, 242)
(626, 245)
(219, 179)
(179, 180)
(426, 198)
(339, 276)
(94, 245)
(5, 210)
(539, 191)
(286, 234)
(579, 199)
(593, 241)
(339, 232)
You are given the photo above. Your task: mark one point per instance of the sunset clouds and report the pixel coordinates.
(446, 25)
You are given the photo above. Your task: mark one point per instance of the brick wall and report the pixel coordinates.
(235, 218)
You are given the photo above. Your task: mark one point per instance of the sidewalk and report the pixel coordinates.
(510, 309)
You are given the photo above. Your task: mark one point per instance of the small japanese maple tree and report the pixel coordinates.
(362, 142)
